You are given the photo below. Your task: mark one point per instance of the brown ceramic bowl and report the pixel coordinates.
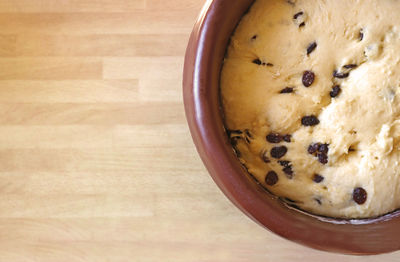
(203, 61)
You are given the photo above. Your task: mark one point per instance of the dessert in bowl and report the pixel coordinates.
(311, 101)
(302, 105)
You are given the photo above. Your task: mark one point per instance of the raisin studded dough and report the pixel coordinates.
(310, 91)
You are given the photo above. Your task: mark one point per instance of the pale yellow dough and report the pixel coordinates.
(365, 116)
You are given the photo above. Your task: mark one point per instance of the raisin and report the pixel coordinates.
(284, 163)
(335, 91)
(350, 66)
(340, 75)
(287, 138)
(359, 195)
(278, 152)
(311, 47)
(361, 35)
(308, 78)
(254, 37)
(274, 138)
(313, 148)
(257, 61)
(269, 64)
(271, 178)
(321, 151)
(322, 158)
(309, 121)
(286, 90)
(318, 178)
(302, 24)
(288, 171)
(298, 14)
(323, 148)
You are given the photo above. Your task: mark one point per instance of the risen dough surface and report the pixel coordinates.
(264, 94)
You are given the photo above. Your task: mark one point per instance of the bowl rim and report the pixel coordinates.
(209, 137)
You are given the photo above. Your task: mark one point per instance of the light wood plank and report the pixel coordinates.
(68, 91)
(100, 45)
(143, 67)
(8, 45)
(95, 114)
(178, 5)
(50, 68)
(67, 6)
(138, 22)
(91, 136)
(143, 160)
(158, 89)
(103, 183)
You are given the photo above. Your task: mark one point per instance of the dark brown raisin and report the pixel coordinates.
(288, 171)
(267, 64)
(335, 91)
(271, 178)
(257, 61)
(313, 148)
(254, 37)
(302, 24)
(318, 201)
(323, 148)
(311, 47)
(284, 163)
(278, 152)
(318, 178)
(359, 195)
(350, 66)
(361, 35)
(298, 14)
(308, 78)
(309, 121)
(274, 138)
(286, 90)
(287, 138)
(322, 158)
(340, 75)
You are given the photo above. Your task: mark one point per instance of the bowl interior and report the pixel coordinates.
(202, 68)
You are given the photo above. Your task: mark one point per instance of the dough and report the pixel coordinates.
(310, 91)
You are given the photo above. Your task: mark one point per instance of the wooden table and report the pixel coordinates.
(96, 160)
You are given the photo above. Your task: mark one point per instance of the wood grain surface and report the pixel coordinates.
(96, 159)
